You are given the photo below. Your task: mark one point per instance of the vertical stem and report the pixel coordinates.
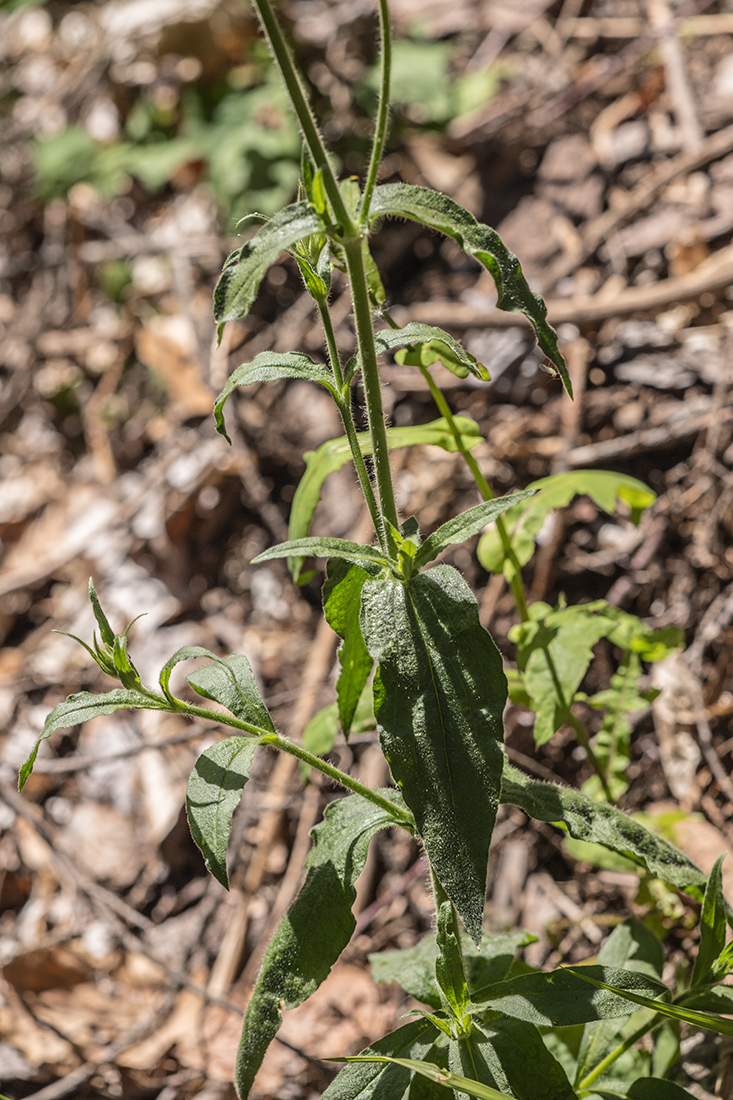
(582, 734)
(616, 1053)
(380, 128)
(370, 370)
(303, 110)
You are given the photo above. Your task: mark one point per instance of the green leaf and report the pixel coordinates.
(401, 200)
(510, 1055)
(438, 701)
(106, 632)
(82, 707)
(433, 1073)
(675, 1012)
(370, 558)
(373, 1075)
(713, 927)
(185, 653)
(600, 824)
(316, 928)
(554, 650)
(341, 604)
(425, 344)
(214, 791)
(335, 453)
(465, 526)
(604, 487)
(319, 736)
(715, 998)
(271, 366)
(231, 682)
(562, 997)
(652, 1088)
(449, 971)
(244, 269)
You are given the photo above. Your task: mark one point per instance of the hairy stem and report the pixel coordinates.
(380, 128)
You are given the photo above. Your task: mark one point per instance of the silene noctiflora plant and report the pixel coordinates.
(492, 1027)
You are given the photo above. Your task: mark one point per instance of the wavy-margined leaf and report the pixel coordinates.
(374, 1075)
(341, 605)
(432, 1072)
(214, 791)
(245, 268)
(369, 558)
(713, 927)
(316, 928)
(439, 695)
(231, 682)
(562, 998)
(82, 707)
(335, 453)
(424, 344)
(600, 824)
(510, 1055)
(271, 366)
(604, 487)
(465, 526)
(402, 200)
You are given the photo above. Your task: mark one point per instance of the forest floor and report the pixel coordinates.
(597, 137)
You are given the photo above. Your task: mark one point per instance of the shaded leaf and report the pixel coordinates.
(713, 926)
(440, 1076)
(341, 604)
(439, 695)
(425, 344)
(511, 1056)
(653, 1088)
(449, 971)
(383, 1079)
(465, 526)
(231, 682)
(214, 791)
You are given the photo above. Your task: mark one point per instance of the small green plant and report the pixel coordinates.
(492, 1027)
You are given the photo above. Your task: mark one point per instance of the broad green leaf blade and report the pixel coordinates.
(439, 1076)
(562, 998)
(374, 1076)
(270, 366)
(713, 926)
(510, 1055)
(231, 682)
(214, 791)
(675, 1012)
(402, 200)
(653, 1088)
(335, 453)
(341, 604)
(368, 557)
(245, 268)
(600, 824)
(714, 998)
(430, 343)
(604, 487)
(82, 707)
(449, 971)
(438, 701)
(316, 928)
(465, 526)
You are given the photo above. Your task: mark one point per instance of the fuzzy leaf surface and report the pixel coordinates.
(214, 791)
(341, 604)
(601, 824)
(368, 557)
(426, 344)
(713, 926)
(82, 707)
(402, 200)
(385, 1079)
(270, 366)
(465, 526)
(316, 928)
(245, 268)
(510, 1055)
(231, 682)
(335, 453)
(439, 696)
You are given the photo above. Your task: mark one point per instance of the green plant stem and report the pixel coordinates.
(616, 1053)
(380, 127)
(347, 417)
(370, 372)
(267, 737)
(440, 897)
(516, 584)
(582, 734)
(304, 112)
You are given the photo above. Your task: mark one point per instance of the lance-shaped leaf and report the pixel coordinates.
(561, 998)
(713, 927)
(510, 1055)
(465, 526)
(600, 824)
(341, 604)
(439, 695)
(432, 1072)
(370, 558)
(82, 707)
(335, 453)
(316, 928)
(402, 200)
(231, 682)
(271, 366)
(373, 1075)
(449, 972)
(214, 791)
(425, 344)
(245, 268)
